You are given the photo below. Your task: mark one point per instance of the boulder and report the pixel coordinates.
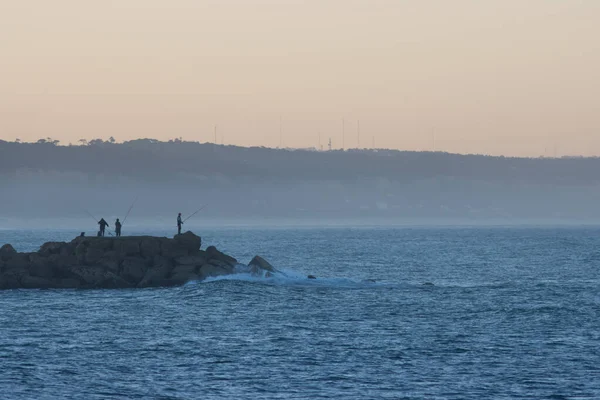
(7, 252)
(95, 277)
(11, 279)
(213, 254)
(62, 260)
(189, 241)
(67, 283)
(113, 281)
(93, 255)
(19, 261)
(260, 263)
(110, 260)
(109, 264)
(95, 262)
(50, 248)
(170, 282)
(67, 250)
(150, 247)
(170, 249)
(133, 269)
(160, 262)
(37, 282)
(80, 250)
(127, 246)
(184, 273)
(101, 243)
(222, 264)
(160, 269)
(40, 266)
(88, 275)
(212, 270)
(196, 260)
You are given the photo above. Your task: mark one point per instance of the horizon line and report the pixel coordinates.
(98, 141)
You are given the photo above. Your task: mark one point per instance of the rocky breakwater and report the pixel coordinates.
(123, 262)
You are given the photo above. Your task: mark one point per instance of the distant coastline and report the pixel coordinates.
(46, 180)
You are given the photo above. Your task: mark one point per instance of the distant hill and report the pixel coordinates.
(153, 160)
(44, 179)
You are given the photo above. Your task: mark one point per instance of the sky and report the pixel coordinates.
(499, 77)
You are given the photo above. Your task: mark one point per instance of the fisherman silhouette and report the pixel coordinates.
(117, 227)
(179, 223)
(103, 224)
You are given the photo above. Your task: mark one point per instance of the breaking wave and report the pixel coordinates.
(291, 278)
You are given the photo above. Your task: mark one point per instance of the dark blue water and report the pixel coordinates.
(514, 313)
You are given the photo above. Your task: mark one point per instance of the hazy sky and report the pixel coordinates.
(518, 77)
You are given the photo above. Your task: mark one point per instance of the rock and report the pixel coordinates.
(11, 279)
(213, 254)
(37, 282)
(88, 275)
(47, 249)
(109, 264)
(222, 264)
(95, 277)
(169, 282)
(60, 259)
(133, 270)
(189, 241)
(160, 261)
(260, 263)
(80, 250)
(110, 260)
(196, 260)
(67, 250)
(170, 249)
(7, 252)
(160, 269)
(19, 261)
(150, 247)
(127, 246)
(93, 255)
(102, 262)
(40, 266)
(113, 281)
(184, 273)
(67, 283)
(103, 244)
(212, 270)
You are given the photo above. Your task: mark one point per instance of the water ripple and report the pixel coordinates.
(508, 318)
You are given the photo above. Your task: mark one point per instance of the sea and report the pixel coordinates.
(405, 312)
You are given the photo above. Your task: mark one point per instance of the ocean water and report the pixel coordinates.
(507, 313)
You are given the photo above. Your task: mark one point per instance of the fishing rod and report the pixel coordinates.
(128, 211)
(196, 212)
(95, 220)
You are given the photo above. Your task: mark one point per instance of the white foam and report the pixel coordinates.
(291, 278)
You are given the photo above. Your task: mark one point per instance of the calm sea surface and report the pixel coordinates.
(512, 313)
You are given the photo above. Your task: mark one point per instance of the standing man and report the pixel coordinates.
(117, 227)
(103, 224)
(179, 223)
